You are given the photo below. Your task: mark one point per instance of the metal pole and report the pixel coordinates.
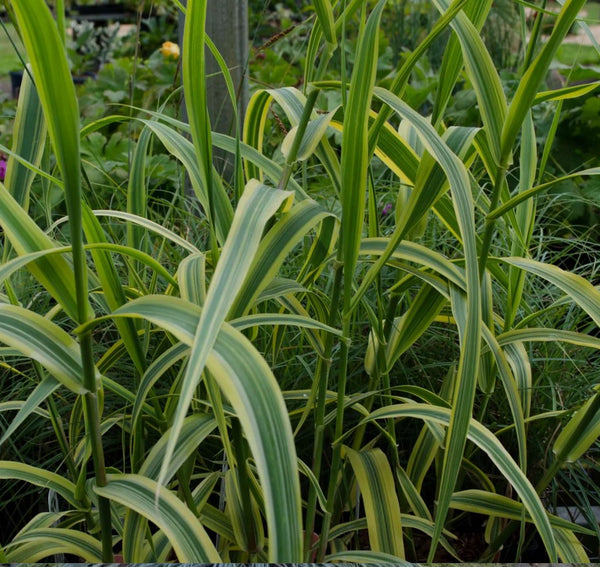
(227, 26)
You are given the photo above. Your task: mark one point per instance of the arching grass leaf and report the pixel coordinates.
(159, 505)
(486, 441)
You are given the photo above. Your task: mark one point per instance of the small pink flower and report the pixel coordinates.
(2, 168)
(387, 209)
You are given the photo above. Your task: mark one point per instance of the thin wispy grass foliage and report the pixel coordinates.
(287, 370)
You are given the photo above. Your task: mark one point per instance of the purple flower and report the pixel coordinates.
(2, 168)
(387, 209)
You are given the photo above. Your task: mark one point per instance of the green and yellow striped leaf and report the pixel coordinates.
(466, 380)
(489, 504)
(55, 273)
(257, 205)
(581, 291)
(572, 443)
(10, 470)
(570, 549)
(486, 441)
(195, 429)
(159, 505)
(482, 73)
(29, 137)
(324, 12)
(247, 524)
(382, 509)
(355, 148)
(41, 543)
(247, 381)
(191, 275)
(274, 248)
(43, 341)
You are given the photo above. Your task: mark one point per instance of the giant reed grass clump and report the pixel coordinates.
(162, 357)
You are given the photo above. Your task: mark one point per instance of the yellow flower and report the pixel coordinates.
(170, 49)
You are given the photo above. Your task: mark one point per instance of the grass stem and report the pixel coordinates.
(322, 378)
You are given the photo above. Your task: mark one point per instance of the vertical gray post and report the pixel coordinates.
(227, 26)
